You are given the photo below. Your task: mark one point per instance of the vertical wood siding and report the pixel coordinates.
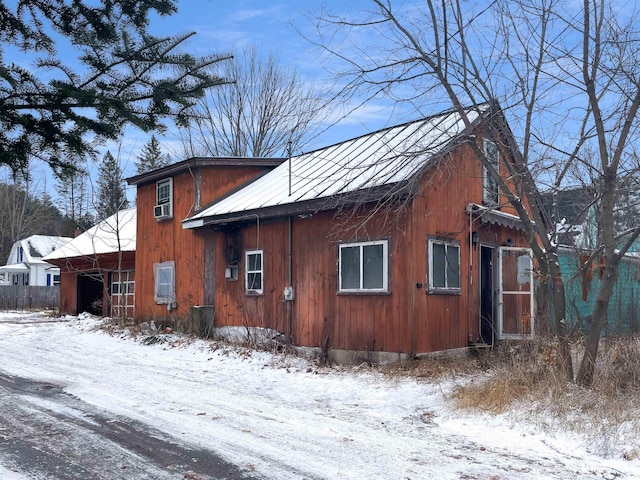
(167, 241)
(407, 319)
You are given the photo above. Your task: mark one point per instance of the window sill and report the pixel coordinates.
(362, 293)
(251, 293)
(444, 291)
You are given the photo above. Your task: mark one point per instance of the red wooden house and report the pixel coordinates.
(171, 273)
(388, 245)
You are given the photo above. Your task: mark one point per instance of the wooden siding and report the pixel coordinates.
(100, 266)
(167, 241)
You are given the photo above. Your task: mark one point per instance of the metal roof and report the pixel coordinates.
(379, 159)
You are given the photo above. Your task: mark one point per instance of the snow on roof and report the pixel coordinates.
(36, 247)
(15, 268)
(381, 158)
(116, 233)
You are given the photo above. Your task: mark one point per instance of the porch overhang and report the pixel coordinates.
(494, 217)
(15, 268)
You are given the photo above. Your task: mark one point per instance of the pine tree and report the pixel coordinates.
(111, 188)
(151, 157)
(87, 69)
(73, 193)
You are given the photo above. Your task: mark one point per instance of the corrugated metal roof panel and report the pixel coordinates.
(381, 158)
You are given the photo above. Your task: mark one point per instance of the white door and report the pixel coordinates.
(515, 293)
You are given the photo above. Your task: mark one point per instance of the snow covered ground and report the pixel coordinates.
(284, 418)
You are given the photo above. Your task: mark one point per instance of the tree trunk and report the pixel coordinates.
(598, 320)
(565, 362)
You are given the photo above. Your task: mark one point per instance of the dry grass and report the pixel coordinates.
(432, 368)
(524, 383)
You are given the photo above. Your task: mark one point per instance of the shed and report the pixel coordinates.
(98, 268)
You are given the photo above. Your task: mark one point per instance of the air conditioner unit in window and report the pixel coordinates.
(162, 212)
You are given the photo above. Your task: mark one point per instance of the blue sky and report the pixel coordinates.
(274, 28)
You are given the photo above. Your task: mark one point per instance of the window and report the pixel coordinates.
(444, 266)
(490, 187)
(122, 294)
(53, 279)
(364, 267)
(164, 196)
(165, 287)
(20, 254)
(253, 279)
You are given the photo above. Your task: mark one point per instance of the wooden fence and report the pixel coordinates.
(24, 297)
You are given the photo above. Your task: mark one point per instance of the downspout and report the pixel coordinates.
(292, 295)
(289, 292)
(469, 306)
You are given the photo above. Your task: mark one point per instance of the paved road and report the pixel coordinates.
(46, 433)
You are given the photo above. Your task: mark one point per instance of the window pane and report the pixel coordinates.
(491, 189)
(453, 266)
(438, 265)
(165, 282)
(350, 267)
(254, 281)
(163, 192)
(254, 262)
(372, 269)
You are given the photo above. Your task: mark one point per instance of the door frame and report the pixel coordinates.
(487, 293)
(501, 295)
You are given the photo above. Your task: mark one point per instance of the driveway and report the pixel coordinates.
(47, 433)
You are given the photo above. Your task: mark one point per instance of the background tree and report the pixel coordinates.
(74, 198)
(112, 195)
(151, 157)
(123, 76)
(266, 111)
(23, 214)
(568, 78)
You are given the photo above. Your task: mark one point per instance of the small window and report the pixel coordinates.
(20, 254)
(164, 196)
(364, 267)
(444, 266)
(53, 280)
(253, 272)
(490, 187)
(165, 288)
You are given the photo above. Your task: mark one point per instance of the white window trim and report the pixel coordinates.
(122, 296)
(169, 202)
(385, 267)
(162, 299)
(445, 289)
(491, 198)
(248, 290)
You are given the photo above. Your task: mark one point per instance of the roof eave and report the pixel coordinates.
(199, 162)
(307, 207)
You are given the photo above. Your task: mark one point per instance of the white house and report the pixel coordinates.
(25, 265)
